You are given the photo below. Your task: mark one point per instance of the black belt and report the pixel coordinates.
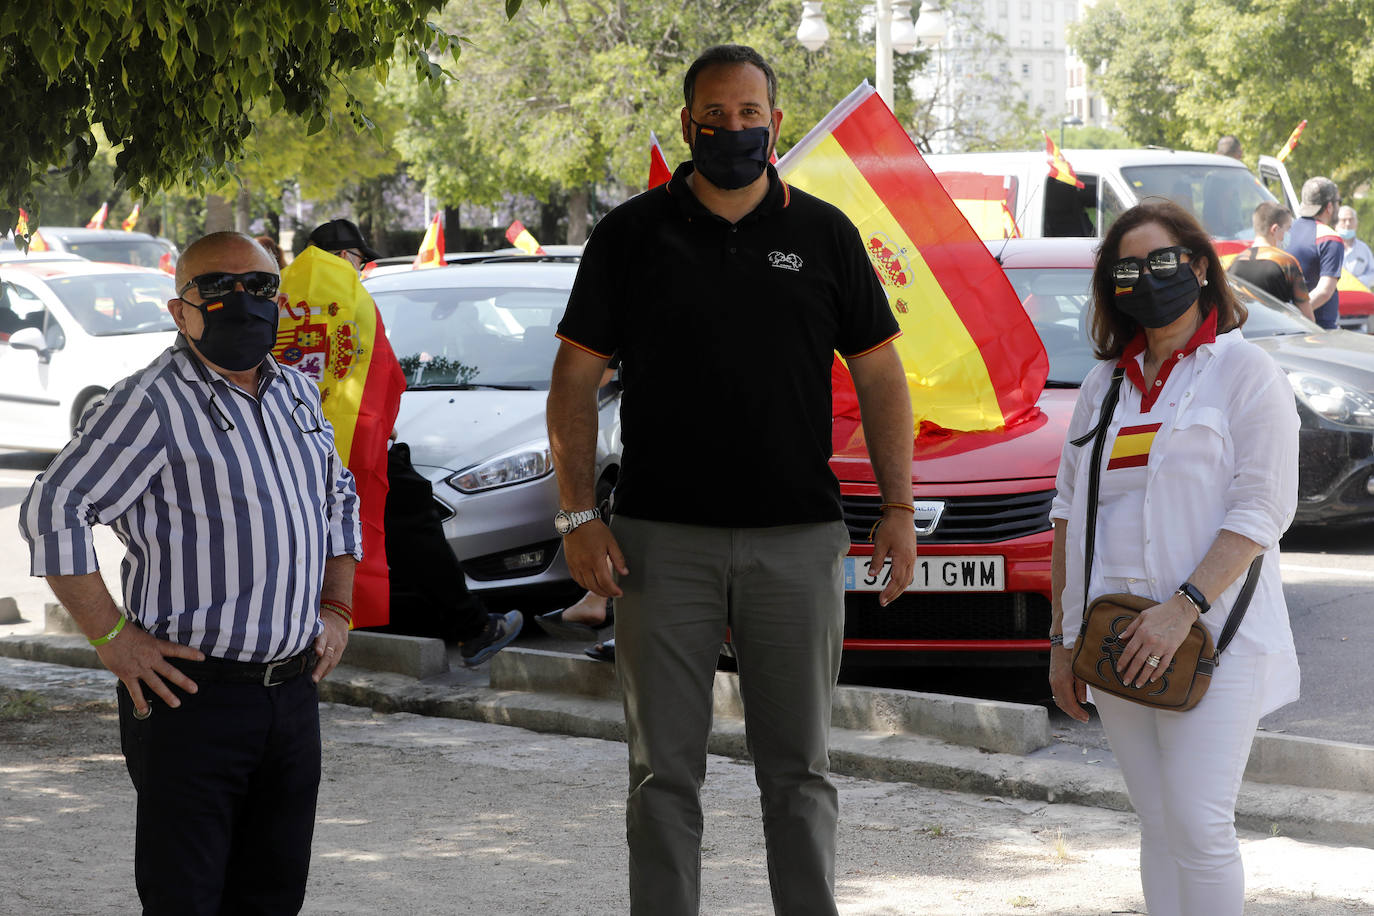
(268, 674)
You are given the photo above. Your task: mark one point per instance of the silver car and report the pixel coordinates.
(476, 342)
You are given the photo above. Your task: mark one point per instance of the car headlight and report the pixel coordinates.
(1331, 399)
(529, 462)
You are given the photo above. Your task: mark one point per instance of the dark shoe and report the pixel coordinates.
(602, 651)
(554, 624)
(495, 636)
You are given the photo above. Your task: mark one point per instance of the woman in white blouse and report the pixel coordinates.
(1199, 477)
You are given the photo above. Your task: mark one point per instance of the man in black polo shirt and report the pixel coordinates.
(725, 294)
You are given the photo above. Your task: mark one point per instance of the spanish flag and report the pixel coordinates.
(1292, 143)
(1132, 446)
(431, 253)
(328, 327)
(21, 228)
(659, 172)
(1060, 170)
(972, 357)
(131, 220)
(521, 238)
(97, 221)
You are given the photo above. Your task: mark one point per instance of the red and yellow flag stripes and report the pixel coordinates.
(522, 238)
(1292, 143)
(1132, 446)
(131, 220)
(328, 327)
(98, 218)
(658, 164)
(1060, 170)
(972, 357)
(431, 253)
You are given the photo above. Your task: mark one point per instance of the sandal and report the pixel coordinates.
(554, 624)
(602, 651)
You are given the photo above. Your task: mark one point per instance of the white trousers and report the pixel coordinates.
(1183, 773)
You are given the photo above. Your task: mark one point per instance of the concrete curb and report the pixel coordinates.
(552, 692)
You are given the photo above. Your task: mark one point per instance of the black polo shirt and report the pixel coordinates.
(726, 334)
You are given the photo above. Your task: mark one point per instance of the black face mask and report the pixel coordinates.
(240, 330)
(730, 159)
(1157, 303)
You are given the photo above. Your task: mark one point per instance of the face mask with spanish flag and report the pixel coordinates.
(1158, 303)
(730, 159)
(240, 330)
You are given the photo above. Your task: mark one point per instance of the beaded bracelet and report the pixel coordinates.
(1057, 639)
(906, 506)
(101, 640)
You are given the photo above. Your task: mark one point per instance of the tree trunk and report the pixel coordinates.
(243, 211)
(578, 205)
(453, 229)
(217, 215)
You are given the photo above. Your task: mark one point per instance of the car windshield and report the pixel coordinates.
(468, 337)
(1058, 299)
(138, 252)
(111, 304)
(1224, 198)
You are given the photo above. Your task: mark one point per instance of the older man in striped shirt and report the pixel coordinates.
(216, 468)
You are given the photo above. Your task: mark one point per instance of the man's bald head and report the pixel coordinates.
(231, 252)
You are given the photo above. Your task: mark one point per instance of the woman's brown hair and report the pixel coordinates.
(1111, 329)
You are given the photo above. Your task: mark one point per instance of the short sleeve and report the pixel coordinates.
(866, 321)
(1332, 254)
(589, 322)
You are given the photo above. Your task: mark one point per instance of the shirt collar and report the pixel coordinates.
(1206, 333)
(779, 194)
(190, 367)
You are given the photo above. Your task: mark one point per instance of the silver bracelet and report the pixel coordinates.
(1057, 640)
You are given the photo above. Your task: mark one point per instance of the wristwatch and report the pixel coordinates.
(565, 522)
(1195, 597)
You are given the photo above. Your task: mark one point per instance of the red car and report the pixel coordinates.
(982, 589)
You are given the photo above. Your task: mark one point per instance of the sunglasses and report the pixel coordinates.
(1162, 262)
(217, 285)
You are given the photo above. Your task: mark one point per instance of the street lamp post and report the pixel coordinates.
(894, 31)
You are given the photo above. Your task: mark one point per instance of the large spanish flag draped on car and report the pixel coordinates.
(329, 328)
(972, 357)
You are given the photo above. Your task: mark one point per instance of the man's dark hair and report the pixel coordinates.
(728, 54)
(1229, 146)
(1268, 214)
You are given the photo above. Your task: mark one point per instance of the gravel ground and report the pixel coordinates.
(440, 816)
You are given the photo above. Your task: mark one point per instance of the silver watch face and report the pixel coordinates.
(562, 522)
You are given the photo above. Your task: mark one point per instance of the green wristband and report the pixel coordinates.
(110, 635)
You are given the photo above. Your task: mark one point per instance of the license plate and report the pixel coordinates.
(933, 574)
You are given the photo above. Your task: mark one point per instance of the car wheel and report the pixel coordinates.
(84, 403)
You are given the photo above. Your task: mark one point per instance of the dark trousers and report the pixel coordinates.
(427, 584)
(226, 797)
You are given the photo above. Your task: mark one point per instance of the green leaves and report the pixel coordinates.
(169, 81)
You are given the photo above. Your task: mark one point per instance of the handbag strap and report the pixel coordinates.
(1098, 436)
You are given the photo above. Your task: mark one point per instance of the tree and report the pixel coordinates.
(1252, 68)
(559, 101)
(172, 82)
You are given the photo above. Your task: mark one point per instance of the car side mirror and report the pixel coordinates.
(30, 339)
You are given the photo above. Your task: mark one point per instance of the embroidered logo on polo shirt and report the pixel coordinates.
(785, 261)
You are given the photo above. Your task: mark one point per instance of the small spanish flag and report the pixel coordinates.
(658, 164)
(97, 221)
(131, 220)
(1060, 170)
(431, 253)
(1132, 446)
(521, 238)
(21, 228)
(1292, 143)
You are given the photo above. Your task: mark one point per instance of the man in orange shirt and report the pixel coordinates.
(1266, 265)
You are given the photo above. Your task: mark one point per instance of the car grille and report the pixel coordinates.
(966, 519)
(947, 615)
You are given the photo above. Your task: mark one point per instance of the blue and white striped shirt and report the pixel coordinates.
(228, 505)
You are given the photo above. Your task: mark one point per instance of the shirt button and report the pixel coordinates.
(1158, 383)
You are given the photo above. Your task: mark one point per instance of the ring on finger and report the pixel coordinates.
(1153, 661)
(329, 648)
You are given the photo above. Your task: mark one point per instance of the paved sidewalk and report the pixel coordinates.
(422, 815)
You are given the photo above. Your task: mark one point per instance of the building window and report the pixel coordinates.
(1002, 8)
(1025, 9)
(1048, 69)
(1048, 11)
(1025, 39)
(1025, 70)
(1092, 113)
(1049, 39)
(1049, 99)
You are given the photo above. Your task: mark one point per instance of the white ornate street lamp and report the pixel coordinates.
(894, 31)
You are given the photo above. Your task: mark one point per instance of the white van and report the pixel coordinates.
(992, 189)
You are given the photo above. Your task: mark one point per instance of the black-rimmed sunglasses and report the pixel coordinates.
(217, 285)
(1163, 263)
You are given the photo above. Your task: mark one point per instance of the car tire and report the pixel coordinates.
(84, 403)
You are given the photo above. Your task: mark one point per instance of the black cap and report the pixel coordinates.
(341, 234)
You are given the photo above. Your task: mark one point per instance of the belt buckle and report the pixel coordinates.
(272, 670)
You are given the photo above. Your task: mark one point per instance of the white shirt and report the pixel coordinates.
(1224, 457)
